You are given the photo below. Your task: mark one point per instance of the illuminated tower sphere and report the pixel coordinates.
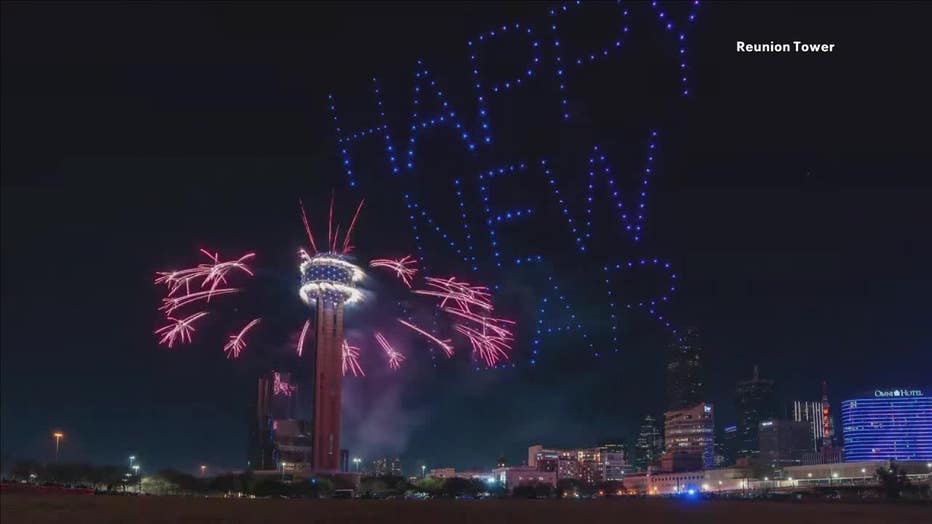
(327, 284)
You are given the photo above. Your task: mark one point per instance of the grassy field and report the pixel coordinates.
(76, 509)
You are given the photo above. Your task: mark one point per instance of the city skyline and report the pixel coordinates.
(795, 247)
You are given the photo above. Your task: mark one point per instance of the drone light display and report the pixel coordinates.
(546, 62)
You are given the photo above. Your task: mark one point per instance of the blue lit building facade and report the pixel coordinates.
(888, 424)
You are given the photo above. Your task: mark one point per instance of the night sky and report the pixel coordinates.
(792, 196)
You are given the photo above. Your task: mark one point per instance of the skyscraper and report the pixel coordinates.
(684, 371)
(755, 402)
(811, 412)
(649, 444)
(888, 424)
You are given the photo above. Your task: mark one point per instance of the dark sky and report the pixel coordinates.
(791, 195)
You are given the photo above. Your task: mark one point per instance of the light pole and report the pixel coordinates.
(357, 460)
(138, 478)
(58, 436)
(423, 471)
(203, 470)
(132, 458)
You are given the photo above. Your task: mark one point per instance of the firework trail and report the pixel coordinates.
(180, 329)
(170, 304)
(307, 226)
(307, 324)
(445, 345)
(403, 267)
(237, 342)
(280, 387)
(351, 360)
(346, 245)
(490, 348)
(217, 273)
(394, 358)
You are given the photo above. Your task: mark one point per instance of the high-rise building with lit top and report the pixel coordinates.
(888, 424)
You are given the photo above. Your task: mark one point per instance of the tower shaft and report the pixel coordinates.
(328, 379)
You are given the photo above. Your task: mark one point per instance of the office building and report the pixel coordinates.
(689, 436)
(684, 370)
(386, 466)
(755, 401)
(275, 434)
(588, 465)
(649, 444)
(784, 443)
(888, 424)
(811, 412)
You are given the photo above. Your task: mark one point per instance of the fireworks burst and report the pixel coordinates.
(404, 268)
(332, 276)
(237, 342)
(351, 360)
(394, 358)
(445, 345)
(180, 330)
(281, 387)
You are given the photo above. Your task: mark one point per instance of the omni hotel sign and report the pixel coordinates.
(880, 393)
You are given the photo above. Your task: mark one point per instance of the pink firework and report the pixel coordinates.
(170, 304)
(179, 330)
(489, 348)
(394, 358)
(351, 360)
(237, 342)
(445, 345)
(405, 268)
(280, 387)
(468, 307)
(307, 324)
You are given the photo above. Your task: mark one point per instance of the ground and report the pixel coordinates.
(113, 509)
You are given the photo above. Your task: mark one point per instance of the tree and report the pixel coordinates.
(610, 487)
(456, 487)
(567, 487)
(430, 485)
(892, 480)
(24, 469)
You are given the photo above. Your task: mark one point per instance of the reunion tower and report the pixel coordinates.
(328, 283)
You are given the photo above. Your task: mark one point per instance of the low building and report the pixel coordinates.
(512, 476)
(385, 466)
(589, 465)
(852, 472)
(672, 483)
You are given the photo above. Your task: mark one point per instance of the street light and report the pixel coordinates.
(58, 436)
(423, 471)
(138, 478)
(203, 469)
(357, 460)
